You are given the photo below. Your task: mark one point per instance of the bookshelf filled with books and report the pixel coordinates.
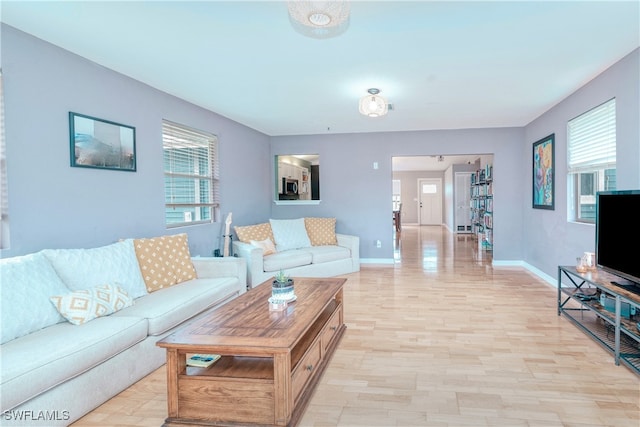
(482, 207)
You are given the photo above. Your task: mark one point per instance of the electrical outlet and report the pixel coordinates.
(378, 244)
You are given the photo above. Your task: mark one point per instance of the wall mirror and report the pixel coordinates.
(297, 178)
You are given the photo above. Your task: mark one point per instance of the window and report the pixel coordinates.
(304, 171)
(591, 142)
(429, 189)
(190, 175)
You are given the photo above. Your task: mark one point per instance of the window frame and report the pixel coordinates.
(177, 136)
(584, 132)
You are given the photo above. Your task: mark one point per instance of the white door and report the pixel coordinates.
(462, 198)
(430, 201)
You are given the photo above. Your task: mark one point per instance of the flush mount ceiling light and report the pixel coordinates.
(373, 105)
(319, 19)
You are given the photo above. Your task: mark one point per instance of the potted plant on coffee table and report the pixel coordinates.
(282, 287)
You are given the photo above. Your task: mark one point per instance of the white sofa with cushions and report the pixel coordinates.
(81, 325)
(302, 247)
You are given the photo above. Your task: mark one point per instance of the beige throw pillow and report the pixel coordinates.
(164, 261)
(266, 245)
(81, 306)
(256, 232)
(321, 231)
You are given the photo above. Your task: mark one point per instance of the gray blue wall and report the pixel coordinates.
(360, 196)
(52, 205)
(550, 238)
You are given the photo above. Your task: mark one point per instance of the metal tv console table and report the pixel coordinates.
(615, 328)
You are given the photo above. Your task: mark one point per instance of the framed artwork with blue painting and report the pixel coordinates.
(101, 144)
(543, 173)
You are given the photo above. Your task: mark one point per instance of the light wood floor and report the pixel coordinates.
(442, 338)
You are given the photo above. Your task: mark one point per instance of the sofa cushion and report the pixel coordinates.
(289, 234)
(39, 361)
(320, 254)
(164, 261)
(88, 268)
(81, 306)
(26, 283)
(287, 259)
(248, 233)
(321, 231)
(178, 303)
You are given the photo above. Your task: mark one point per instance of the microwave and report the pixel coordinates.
(289, 186)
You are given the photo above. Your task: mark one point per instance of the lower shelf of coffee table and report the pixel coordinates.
(260, 368)
(248, 392)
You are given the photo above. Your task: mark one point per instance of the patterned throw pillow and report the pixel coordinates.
(81, 306)
(289, 234)
(321, 231)
(256, 232)
(164, 261)
(266, 245)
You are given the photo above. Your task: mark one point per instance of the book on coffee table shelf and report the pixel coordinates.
(202, 360)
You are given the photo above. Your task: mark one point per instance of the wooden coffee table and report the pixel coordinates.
(271, 360)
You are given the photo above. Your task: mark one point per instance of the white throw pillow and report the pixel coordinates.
(26, 283)
(289, 234)
(88, 268)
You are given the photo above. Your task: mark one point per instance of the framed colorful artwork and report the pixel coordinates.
(543, 173)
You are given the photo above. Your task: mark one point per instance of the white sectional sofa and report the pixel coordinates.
(302, 247)
(52, 371)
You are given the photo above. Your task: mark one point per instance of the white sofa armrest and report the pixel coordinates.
(253, 256)
(214, 267)
(353, 244)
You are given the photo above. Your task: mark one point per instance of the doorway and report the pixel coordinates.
(430, 201)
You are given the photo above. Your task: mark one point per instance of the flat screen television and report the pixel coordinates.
(618, 236)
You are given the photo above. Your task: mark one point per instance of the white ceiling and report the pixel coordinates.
(443, 65)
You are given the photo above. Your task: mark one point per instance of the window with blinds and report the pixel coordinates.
(190, 175)
(591, 144)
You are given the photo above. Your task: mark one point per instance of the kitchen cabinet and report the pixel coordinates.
(302, 174)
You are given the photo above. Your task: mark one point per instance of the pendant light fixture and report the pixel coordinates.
(319, 19)
(373, 105)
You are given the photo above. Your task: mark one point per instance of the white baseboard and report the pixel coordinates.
(377, 261)
(551, 281)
